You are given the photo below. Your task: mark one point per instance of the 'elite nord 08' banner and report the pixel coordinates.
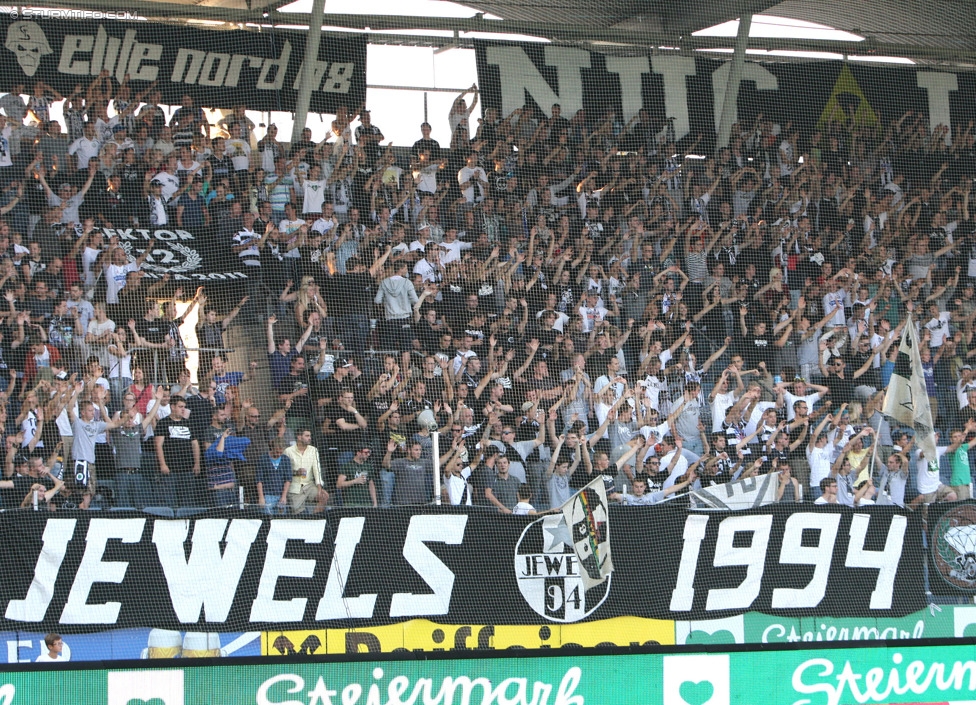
(260, 70)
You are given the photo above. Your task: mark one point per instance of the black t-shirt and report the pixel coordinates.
(16, 358)
(329, 388)
(201, 414)
(177, 444)
(755, 349)
(596, 364)
(481, 478)
(431, 146)
(152, 331)
(841, 390)
(356, 291)
(344, 440)
(22, 484)
(301, 406)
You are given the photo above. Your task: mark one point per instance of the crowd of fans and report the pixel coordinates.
(560, 299)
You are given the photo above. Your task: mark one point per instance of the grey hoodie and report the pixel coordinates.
(398, 296)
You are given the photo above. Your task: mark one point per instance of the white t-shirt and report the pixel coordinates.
(926, 478)
(170, 184)
(98, 329)
(426, 178)
(561, 319)
(313, 195)
(939, 327)
(84, 150)
(453, 250)
(962, 392)
(44, 658)
(29, 427)
(820, 462)
(456, 486)
(680, 468)
(239, 152)
(427, 271)
(896, 487)
(653, 386)
(791, 398)
(831, 300)
(115, 280)
(757, 414)
(591, 315)
(324, 225)
(471, 178)
(720, 405)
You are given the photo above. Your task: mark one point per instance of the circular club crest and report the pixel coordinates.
(172, 257)
(954, 547)
(548, 573)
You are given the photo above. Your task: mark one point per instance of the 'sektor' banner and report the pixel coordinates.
(222, 573)
(260, 70)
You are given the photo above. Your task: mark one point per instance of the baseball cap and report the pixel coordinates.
(118, 128)
(62, 375)
(343, 362)
(527, 405)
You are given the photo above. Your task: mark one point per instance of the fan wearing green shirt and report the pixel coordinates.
(355, 480)
(958, 452)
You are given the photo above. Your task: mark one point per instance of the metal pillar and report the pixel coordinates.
(308, 69)
(735, 76)
(436, 437)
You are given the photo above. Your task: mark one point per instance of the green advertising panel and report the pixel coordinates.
(822, 676)
(934, 622)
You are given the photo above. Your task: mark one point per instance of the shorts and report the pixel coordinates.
(962, 491)
(306, 495)
(938, 496)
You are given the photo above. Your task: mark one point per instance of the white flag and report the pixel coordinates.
(588, 519)
(906, 399)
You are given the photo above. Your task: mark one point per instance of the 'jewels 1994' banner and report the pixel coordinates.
(365, 568)
(218, 69)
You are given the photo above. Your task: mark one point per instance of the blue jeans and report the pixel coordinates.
(693, 446)
(181, 489)
(273, 505)
(131, 490)
(387, 480)
(355, 331)
(223, 498)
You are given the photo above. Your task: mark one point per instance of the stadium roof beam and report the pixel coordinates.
(634, 34)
